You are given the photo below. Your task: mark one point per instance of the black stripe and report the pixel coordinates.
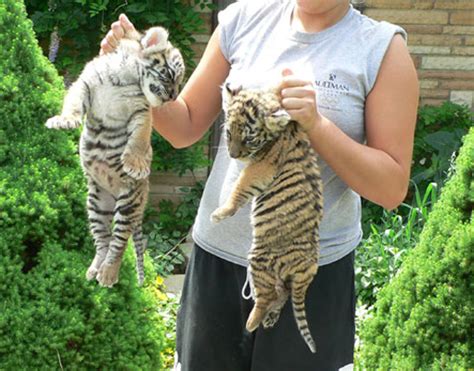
(100, 212)
(127, 209)
(89, 97)
(112, 157)
(137, 112)
(277, 191)
(291, 197)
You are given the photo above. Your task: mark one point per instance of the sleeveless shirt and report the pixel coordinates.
(257, 39)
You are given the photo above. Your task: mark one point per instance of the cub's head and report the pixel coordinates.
(162, 67)
(254, 118)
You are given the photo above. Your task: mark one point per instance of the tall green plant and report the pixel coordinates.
(50, 316)
(381, 253)
(424, 318)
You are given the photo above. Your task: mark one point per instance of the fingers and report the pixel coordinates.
(116, 32)
(293, 103)
(125, 23)
(291, 81)
(298, 92)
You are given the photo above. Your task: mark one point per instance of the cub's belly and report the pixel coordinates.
(105, 176)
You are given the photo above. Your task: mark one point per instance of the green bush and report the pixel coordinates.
(424, 318)
(50, 316)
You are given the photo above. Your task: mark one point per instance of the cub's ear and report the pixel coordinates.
(281, 114)
(231, 91)
(155, 40)
(278, 120)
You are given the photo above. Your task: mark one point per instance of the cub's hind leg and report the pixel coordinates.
(264, 288)
(129, 210)
(100, 208)
(274, 313)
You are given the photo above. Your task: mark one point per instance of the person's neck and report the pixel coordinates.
(310, 22)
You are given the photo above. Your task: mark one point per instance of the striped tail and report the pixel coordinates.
(298, 301)
(139, 243)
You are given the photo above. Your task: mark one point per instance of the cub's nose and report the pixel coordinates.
(234, 151)
(174, 94)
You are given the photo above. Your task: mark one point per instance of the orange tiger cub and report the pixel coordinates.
(283, 180)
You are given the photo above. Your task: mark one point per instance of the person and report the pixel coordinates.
(357, 101)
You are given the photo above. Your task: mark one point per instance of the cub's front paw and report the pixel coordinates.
(135, 165)
(63, 122)
(222, 213)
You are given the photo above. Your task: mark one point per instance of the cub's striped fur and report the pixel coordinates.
(282, 177)
(114, 93)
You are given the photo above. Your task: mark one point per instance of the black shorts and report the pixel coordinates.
(211, 334)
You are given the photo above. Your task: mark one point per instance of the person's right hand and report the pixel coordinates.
(116, 32)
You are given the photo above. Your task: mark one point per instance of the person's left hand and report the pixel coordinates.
(298, 98)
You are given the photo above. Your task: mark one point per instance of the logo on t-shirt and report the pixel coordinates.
(330, 91)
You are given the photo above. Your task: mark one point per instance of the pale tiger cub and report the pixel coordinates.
(282, 177)
(114, 93)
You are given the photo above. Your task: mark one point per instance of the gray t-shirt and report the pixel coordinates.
(343, 61)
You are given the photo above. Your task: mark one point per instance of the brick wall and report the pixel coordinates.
(166, 185)
(441, 42)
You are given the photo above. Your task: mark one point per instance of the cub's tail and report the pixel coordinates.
(298, 294)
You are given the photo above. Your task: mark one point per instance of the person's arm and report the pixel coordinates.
(380, 170)
(185, 120)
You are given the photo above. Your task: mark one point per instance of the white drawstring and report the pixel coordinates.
(248, 282)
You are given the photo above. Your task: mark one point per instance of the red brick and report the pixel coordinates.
(463, 50)
(466, 17)
(416, 60)
(409, 16)
(458, 84)
(424, 4)
(443, 74)
(440, 40)
(458, 30)
(454, 4)
(431, 102)
(422, 29)
(389, 4)
(434, 93)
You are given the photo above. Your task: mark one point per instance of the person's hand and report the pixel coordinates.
(298, 98)
(116, 32)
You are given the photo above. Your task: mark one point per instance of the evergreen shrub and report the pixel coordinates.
(50, 316)
(423, 319)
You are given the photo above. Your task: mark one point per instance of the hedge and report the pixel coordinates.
(424, 318)
(50, 316)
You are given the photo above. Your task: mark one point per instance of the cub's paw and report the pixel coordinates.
(271, 318)
(95, 265)
(135, 165)
(108, 274)
(222, 213)
(63, 122)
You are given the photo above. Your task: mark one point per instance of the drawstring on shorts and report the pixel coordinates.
(249, 283)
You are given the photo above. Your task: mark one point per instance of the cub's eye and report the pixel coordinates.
(227, 134)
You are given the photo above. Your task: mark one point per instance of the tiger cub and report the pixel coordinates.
(114, 93)
(282, 177)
